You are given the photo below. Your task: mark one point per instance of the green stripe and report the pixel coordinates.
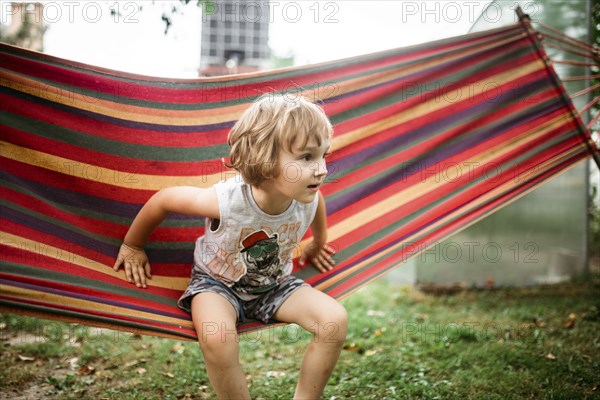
(112, 147)
(406, 93)
(384, 232)
(169, 222)
(232, 86)
(94, 284)
(93, 237)
(82, 316)
(419, 140)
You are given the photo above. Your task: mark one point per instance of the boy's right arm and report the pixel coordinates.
(180, 199)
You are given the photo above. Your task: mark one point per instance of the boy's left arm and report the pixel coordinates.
(318, 251)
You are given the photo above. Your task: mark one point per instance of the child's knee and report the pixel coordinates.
(333, 323)
(218, 339)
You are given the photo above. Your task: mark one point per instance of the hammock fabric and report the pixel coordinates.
(428, 140)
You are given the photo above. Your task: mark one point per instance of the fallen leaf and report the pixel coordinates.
(24, 358)
(177, 348)
(569, 324)
(379, 332)
(550, 356)
(275, 374)
(86, 370)
(140, 370)
(168, 375)
(369, 353)
(572, 316)
(352, 347)
(131, 363)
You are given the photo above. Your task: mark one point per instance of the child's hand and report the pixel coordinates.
(135, 263)
(320, 256)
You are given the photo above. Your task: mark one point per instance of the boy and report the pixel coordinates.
(242, 264)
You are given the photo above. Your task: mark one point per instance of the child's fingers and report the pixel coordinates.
(148, 270)
(329, 249)
(136, 275)
(327, 261)
(323, 262)
(118, 263)
(128, 273)
(317, 263)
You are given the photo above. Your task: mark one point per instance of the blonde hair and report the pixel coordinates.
(272, 123)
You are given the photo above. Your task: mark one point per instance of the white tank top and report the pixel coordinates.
(250, 250)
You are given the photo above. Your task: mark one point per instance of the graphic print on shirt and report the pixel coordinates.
(260, 254)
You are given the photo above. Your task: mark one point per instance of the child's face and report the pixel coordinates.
(303, 170)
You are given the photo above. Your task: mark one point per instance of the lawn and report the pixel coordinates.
(515, 343)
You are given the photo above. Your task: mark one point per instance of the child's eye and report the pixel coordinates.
(307, 157)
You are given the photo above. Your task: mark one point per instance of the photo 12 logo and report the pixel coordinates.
(52, 12)
(464, 11)
(271, 11)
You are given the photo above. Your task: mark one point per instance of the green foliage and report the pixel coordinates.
(539, 342)
(595, 70)
(594, 221)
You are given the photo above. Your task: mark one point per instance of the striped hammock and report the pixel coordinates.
(428, 140)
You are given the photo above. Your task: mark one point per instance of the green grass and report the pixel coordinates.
(519, 343)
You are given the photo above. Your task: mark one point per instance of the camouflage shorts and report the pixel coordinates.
(262, 308)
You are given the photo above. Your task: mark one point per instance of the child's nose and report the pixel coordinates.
(320, 168)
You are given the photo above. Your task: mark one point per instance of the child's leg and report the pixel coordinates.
(328, 321)
(214, 319)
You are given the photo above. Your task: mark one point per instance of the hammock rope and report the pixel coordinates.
(525, 21)
(559, 35)
(429, 139)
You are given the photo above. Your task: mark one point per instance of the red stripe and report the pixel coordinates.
(71, 183)
(447, 230)
(98, 128)
(96, 226)
(452, 203)
(126, 167)
(216, 91)
(417, 177)
(93, 294)
(44, 239)
(113, 318)
(423, 147)
(416, 94)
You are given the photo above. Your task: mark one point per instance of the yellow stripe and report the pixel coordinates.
(71, 97)
(435, 104)
(437, 180)
(11, 240)
(107, 176)
(481, 200)
(156, 182)
(400, 72)
(52, 298)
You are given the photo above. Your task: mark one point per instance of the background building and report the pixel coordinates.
(235, 36)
